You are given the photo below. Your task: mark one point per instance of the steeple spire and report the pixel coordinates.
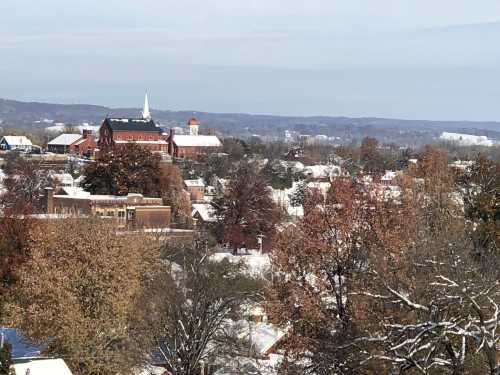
(146, 114)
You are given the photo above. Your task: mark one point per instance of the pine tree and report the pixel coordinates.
(300, 194)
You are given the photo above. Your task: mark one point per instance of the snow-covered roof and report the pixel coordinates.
(17, 140)
(205, 210)
(75, 191)
(389, 176)
(262, 336)
(63, 178)
(65, 139)
(194, 183)
(467, 139)
(42, 367)
(318, 171)
(197, 141)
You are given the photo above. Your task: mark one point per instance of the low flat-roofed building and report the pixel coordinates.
(131, 211)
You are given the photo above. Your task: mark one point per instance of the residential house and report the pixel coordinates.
(203, 214)
(16, 143)
(196, 189)
(81, 144)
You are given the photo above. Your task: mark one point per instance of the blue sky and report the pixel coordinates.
(406, 58)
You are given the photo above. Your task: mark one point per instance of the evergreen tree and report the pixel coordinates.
(300, 195)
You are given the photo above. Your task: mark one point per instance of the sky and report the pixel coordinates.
(414, 59)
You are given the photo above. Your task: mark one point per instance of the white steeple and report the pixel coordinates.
(146, 114)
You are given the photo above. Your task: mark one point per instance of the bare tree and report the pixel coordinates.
(192, 304)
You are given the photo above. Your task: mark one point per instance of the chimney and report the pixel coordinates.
(171, 141)
(49, 200)
(86, 133)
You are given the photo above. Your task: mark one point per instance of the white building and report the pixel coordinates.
(466, 139)
(16, 143)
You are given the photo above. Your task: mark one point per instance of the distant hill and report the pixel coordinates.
(32, 114)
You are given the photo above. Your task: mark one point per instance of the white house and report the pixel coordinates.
(16, 143)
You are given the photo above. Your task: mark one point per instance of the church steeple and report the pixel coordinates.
(146, 114)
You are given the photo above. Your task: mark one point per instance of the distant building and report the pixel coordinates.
(131, 211)
(16, 143)
(73, 143)
(192, 145)
(116, 132)
(466, 139)
(196, 189)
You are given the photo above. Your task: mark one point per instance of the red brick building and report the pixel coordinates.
(196, 189)
(81, 144)
(192, 145)
(115, 132)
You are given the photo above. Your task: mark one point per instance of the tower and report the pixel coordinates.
(146, 114)
(193, 125)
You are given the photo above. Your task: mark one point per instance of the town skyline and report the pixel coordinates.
(338, 59)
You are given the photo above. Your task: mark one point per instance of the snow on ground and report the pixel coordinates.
(150, 370)
(62, 127)
(251, 366)
(258, 264)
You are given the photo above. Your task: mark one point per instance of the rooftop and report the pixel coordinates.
(131, 124)
(197, 141)
(17, 140)
(194, 183)
(65, 139)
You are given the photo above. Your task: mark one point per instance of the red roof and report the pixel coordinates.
(193, 121)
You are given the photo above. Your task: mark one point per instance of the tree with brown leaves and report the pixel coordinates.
(135, 169)
(75, 294)
(317, 262)
(246, 210)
